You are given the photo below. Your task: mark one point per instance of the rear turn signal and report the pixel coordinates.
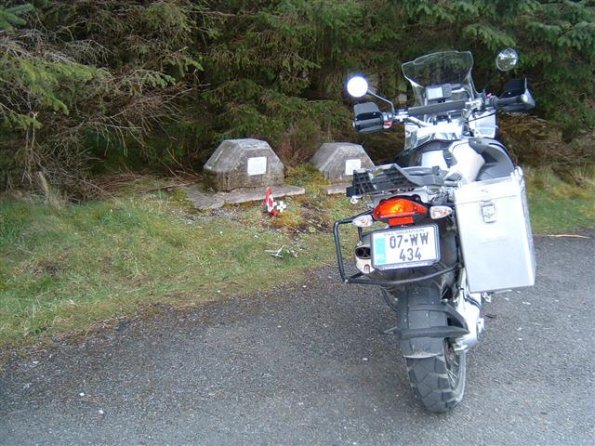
(437, 212)
(398, 211)
(363, 221)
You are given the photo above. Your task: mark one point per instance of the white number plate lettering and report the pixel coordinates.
(405, 248)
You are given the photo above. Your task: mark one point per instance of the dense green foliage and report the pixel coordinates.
(90, 84)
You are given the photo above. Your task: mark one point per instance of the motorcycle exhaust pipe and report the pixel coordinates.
(363, 252)
(363, 259)
(471, 312)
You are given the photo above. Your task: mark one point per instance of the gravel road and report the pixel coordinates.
(308, 364)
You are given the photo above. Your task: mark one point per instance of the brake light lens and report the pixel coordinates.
(398, 211)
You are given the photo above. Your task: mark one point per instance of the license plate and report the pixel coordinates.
(405, 248)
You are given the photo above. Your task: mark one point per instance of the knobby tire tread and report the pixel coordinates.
(429, 376)
(429, 380)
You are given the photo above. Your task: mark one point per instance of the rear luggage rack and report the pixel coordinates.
(393, 179)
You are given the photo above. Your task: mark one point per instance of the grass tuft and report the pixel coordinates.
(557, 206)
(63, 269)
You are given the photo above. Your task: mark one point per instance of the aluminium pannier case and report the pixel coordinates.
(495, 231)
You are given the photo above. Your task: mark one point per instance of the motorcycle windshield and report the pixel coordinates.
(445, 68)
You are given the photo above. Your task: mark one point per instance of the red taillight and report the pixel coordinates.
(398, 211)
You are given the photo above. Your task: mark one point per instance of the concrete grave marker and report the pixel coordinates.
(243, 163)
(240, 170)
(338, 160)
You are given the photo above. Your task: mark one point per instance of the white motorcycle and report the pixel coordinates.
(447, 224)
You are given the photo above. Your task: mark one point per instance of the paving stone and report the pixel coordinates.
(205, 201)
(245, 195)
(202, 200)
(335, 189)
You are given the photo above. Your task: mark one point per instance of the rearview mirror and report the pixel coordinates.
(357, 86)
(507, 59)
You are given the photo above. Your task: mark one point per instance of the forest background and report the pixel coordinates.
(94, 86)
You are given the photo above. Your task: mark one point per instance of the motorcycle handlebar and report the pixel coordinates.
(436, 108)
(501, 102)
(371, 125)
(375, 121)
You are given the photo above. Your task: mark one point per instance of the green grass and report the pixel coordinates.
(556, 206)
(65, 269)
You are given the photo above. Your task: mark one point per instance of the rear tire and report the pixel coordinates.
(439, 382)
(436, 372)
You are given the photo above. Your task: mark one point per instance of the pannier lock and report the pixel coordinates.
(488, 211)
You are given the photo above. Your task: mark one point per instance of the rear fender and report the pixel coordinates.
(424, 322)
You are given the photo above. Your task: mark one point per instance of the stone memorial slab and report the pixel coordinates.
(336, 189)
(208, 200)
(338, 160)
(246, 195)
(243, 163)
(202, 200)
